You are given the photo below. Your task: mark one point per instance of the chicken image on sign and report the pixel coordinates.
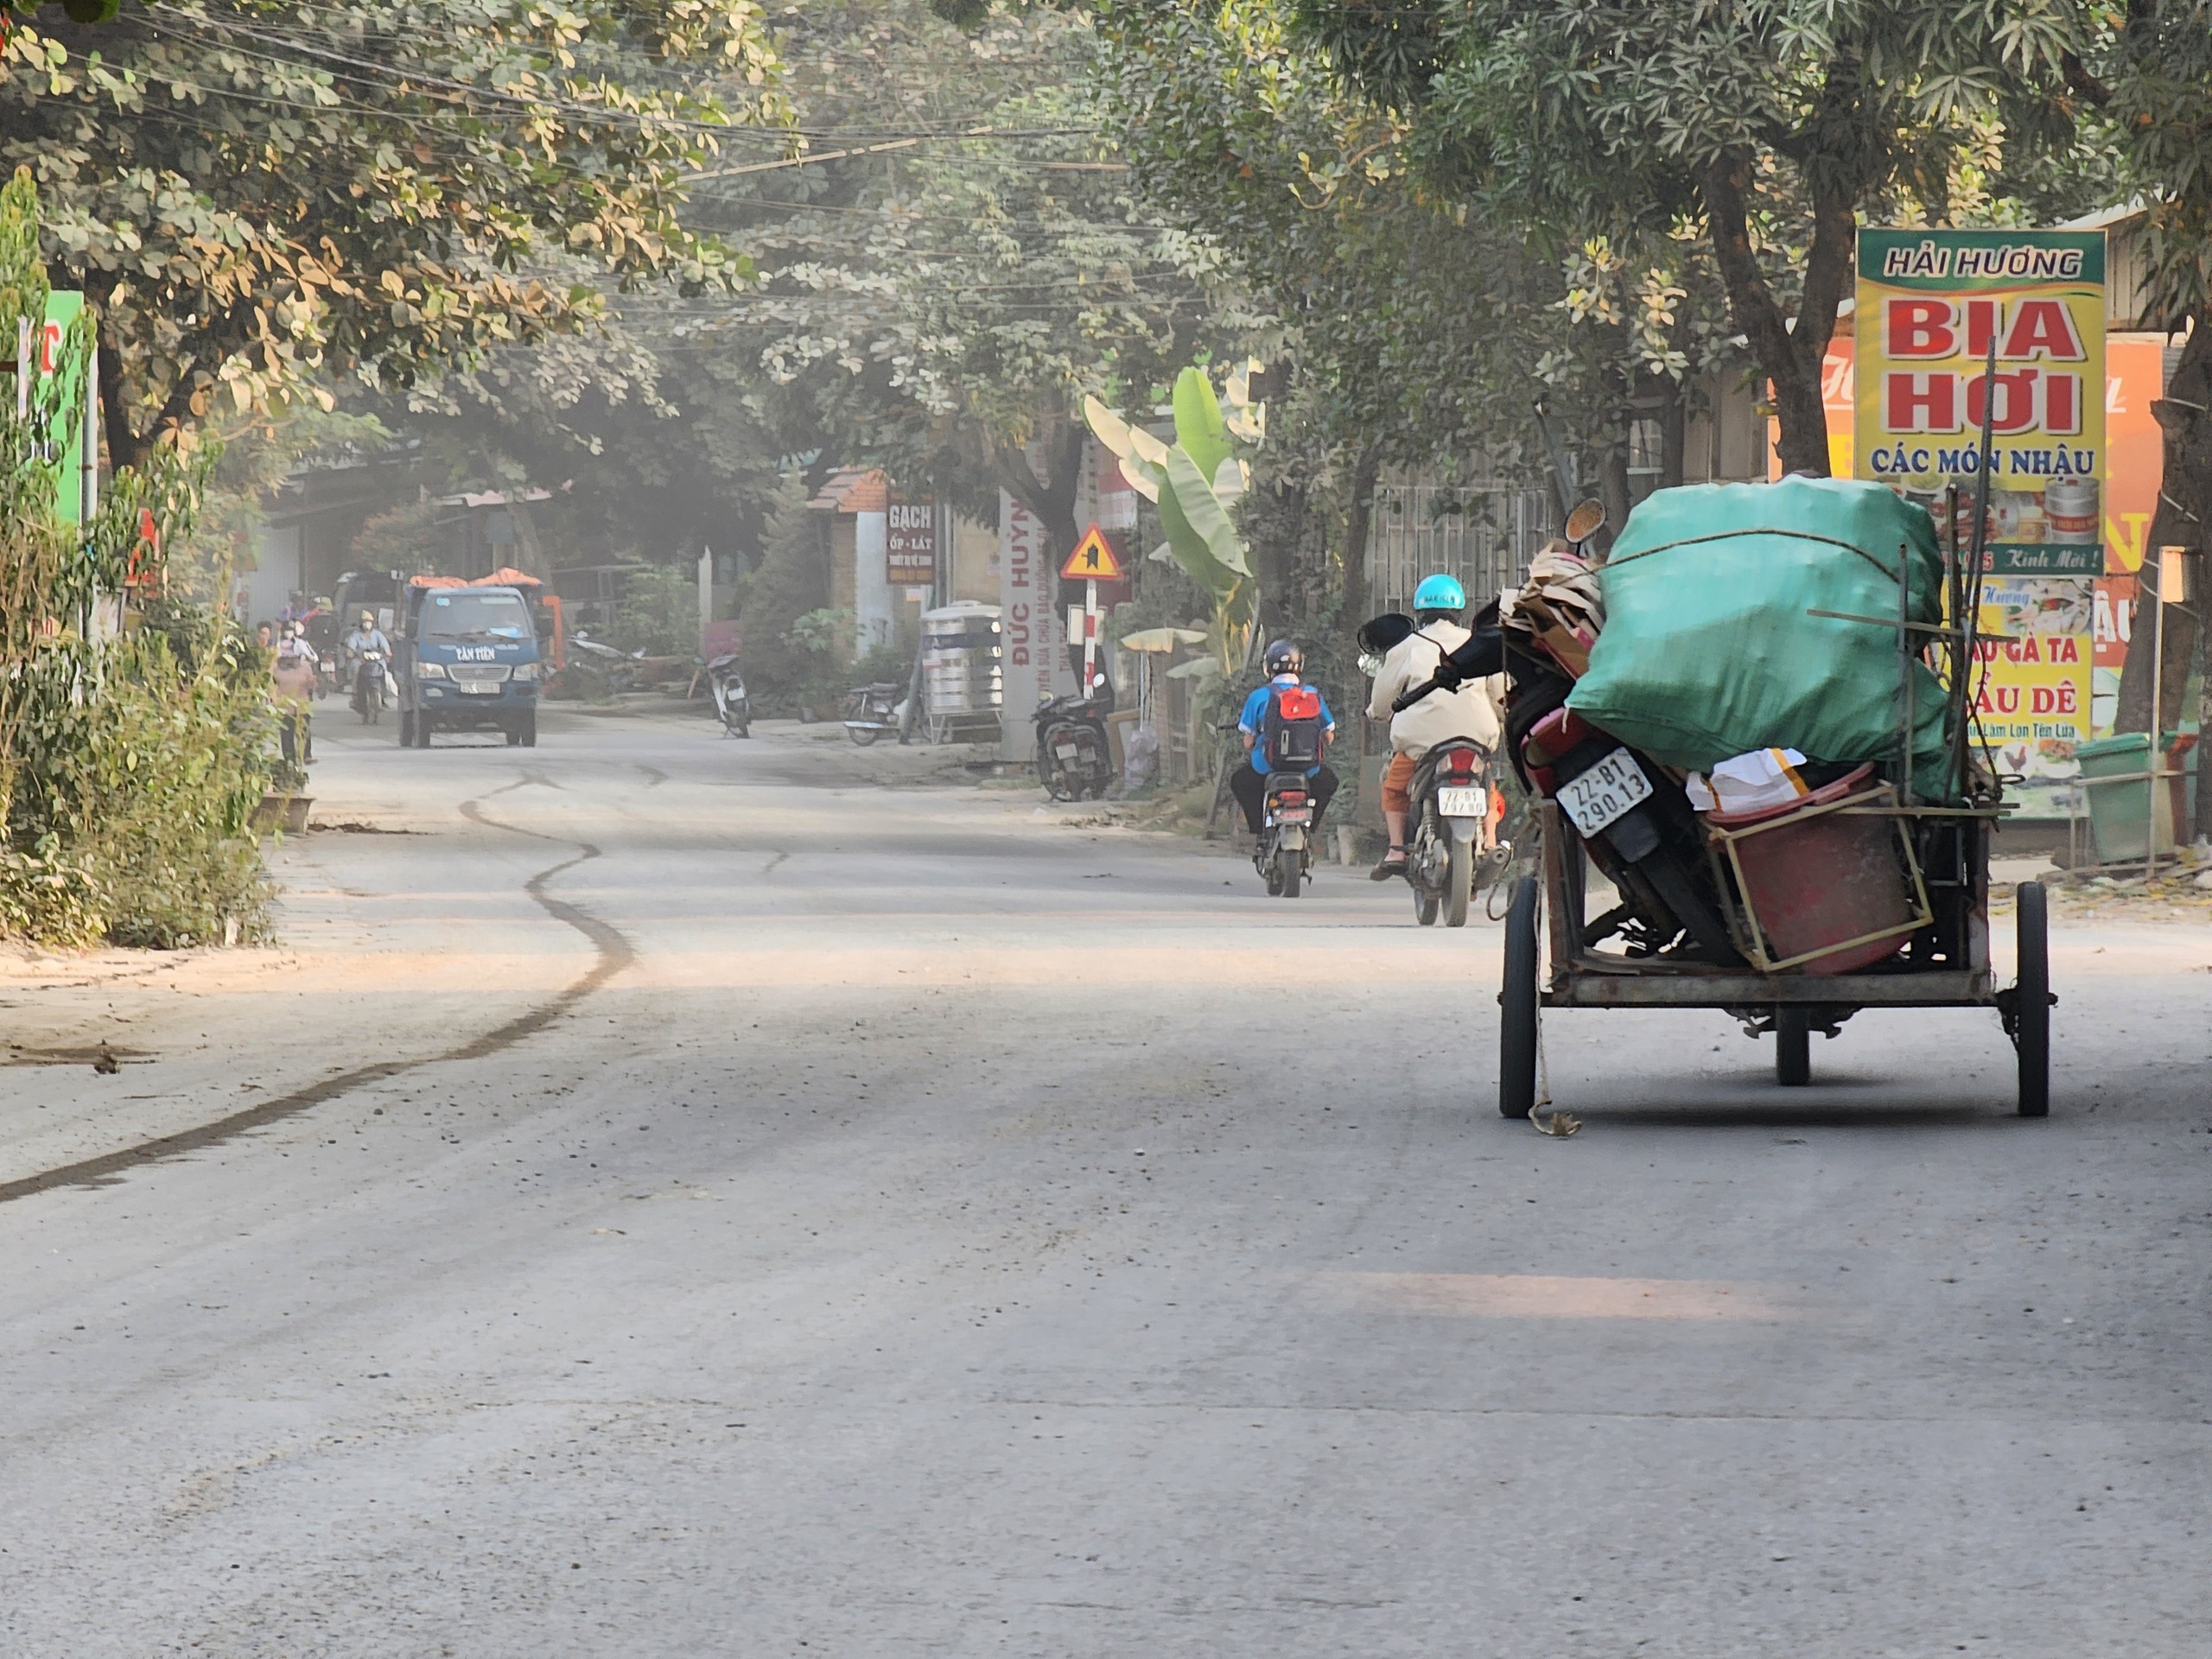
(1930, 304)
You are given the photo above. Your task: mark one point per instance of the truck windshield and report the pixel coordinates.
(451, 617)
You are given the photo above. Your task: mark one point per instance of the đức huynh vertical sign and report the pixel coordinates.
(1930, 305)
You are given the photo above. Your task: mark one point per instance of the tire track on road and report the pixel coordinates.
(613, 953)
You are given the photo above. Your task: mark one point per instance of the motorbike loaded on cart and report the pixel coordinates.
(1752, 720)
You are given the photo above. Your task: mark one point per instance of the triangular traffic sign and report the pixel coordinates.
(1092, 559)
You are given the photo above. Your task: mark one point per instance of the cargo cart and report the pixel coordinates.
(1944, 962)
(1853, 895)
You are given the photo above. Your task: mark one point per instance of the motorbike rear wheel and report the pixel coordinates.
(1290, 881)
(1459, 883)
(863, 735)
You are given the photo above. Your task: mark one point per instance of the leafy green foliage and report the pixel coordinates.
(658, 612)
(255, 195)
(792, 582)
(128, 766)
(1768, 128)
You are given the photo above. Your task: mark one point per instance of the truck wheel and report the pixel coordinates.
(1793, 1048)
(1517, 1005)
(2031, 1034)
(1459, 883)
(513, 730)
(529, 729)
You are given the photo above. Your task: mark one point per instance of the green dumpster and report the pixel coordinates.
(2123, 825)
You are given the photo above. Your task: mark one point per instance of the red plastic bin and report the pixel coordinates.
(1815, 878)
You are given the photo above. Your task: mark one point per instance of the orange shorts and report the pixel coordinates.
(1397, 779)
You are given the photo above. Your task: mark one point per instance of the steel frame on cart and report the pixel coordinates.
(1944, 965)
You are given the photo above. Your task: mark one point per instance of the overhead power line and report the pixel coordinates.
(425, 79)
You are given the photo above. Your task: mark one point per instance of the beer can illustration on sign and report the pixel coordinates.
(2070, 507)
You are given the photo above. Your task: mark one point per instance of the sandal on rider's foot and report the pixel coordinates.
(1393, 863)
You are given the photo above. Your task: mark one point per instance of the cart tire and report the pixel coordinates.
(2032, 1038)
(1517, 1004)
(1793, 1048)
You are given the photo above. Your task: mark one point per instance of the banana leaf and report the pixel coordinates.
(1201, 516)
(1199, 429)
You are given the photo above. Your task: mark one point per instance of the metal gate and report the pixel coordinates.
(1485, 534)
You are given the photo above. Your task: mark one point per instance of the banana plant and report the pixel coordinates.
(1194, 482)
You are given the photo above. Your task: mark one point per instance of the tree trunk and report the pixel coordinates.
(2185, 417)
(1788, 356)
(1359, 515)
(1052, 498)
(1674, 434)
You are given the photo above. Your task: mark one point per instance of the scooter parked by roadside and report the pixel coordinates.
(732, 706)
(1074, 758)
(871, 710)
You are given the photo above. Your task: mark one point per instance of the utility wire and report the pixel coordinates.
(591, 112)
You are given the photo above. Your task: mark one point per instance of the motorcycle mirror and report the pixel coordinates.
(1586, 521)
(1378, 634)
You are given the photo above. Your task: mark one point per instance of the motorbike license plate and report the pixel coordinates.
(1604, 793)
(1293, 815)
(1067, 751)
(1461, 803)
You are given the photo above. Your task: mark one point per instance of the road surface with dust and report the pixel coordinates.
(692, 1197)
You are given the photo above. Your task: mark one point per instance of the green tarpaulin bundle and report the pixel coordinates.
(1708, 650)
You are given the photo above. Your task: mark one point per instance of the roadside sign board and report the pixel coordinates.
(910, 544)
(1930, 304)
(1093, 559)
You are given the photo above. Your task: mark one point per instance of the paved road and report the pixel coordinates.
(691, 1199)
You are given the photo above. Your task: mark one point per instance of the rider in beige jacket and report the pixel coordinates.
(1469, 712)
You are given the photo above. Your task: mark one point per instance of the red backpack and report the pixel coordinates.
(1291, 729)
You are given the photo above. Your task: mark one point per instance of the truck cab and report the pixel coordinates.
(467, 661)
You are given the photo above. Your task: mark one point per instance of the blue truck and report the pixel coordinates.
(468, 660)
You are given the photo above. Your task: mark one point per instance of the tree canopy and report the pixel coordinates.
(1768, 127)
(257, 198)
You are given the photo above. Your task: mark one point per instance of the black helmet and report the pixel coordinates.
(1284, 658)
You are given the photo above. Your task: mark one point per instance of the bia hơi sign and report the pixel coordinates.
(1930, 304)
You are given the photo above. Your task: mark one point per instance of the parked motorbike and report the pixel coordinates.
(1074, 758)
(1641, 831)
(731, 706)
(371, 682)
(1286, 829)
(619, 667)
(871, 710)
(1450, 801)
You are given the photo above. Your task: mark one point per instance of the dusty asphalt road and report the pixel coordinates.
(924, 1227)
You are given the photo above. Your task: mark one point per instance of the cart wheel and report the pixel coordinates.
(2031, 1034)
(1517, 1002)
(1793, 1048)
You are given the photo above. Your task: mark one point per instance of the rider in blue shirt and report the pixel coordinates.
(1248, 783)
